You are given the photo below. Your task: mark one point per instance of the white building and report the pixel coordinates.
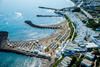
(65, 62)
(72, 49)
(91, 45)
(86, 63)
(90, 56)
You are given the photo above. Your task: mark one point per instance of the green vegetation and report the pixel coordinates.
(84, 21)
(55, 65)
(73, 61)
(74, 65)
(76, 61)
(70, 36)
(47, 49)
(86, 37)
(82, 56)
(71, 27)
(75, 35)
(98, 62)
(83, 13)
(95, 14)
(99, 20)
(76, 10)
(92, 24)
(56, 59)
(96, 51)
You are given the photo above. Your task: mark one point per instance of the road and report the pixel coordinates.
(86, 13)
(81, 29)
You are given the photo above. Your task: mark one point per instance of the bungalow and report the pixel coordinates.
(90, 46)
(72, 49)
(65, 62)
(86, 63)
(89, 56)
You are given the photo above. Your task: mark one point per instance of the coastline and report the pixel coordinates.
(54, 34)
(24, 46)
(58, 36)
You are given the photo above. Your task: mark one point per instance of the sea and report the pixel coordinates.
(13, 13)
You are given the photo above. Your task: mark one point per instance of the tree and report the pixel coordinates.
(47, 49)
(74, 65)
(99, 20)
(76, 10)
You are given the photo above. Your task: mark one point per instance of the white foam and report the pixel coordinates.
(33, 64)
(32, 34)
(36, 62)
(18, 14)
(50, 11)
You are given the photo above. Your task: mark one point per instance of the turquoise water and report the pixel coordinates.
(14, 60)
(13, 13)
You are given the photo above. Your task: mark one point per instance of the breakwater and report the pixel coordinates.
(48, 8)
(28, 48)
(20, 48)
(23, 52)
(46, 27)
(49, 16)
(32, 47)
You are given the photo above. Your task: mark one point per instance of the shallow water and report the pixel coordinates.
(13, 13)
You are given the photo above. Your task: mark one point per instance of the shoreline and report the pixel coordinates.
(57, 37)
(57, 24)
(55, 31)
(52, 42)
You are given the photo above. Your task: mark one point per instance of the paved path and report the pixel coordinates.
(87, 14)
(81, 29)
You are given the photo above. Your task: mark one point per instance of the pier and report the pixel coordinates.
(32, 47)
(27, 53)
(49, 16)
(48, 8)
(45, 27)
(27, 48)
(62, 9)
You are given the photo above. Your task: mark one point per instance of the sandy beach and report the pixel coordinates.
(51, 44)
(55, 40)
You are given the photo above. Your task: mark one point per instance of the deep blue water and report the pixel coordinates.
(13, 13)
